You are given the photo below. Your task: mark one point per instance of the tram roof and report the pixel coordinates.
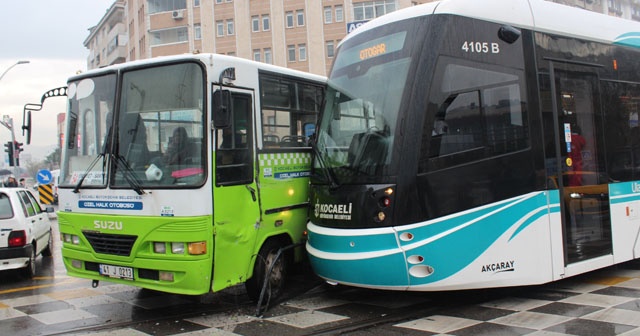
(538, 15)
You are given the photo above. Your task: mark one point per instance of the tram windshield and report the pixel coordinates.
(154, 139)
(363, 98)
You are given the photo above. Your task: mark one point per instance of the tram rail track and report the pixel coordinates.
(230, 302)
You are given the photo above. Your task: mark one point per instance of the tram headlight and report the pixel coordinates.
(381, 216)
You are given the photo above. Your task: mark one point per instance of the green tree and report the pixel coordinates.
(53, 159)
(32, 167)
(51, 162)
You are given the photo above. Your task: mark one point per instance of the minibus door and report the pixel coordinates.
(583, 185)
(236, 209)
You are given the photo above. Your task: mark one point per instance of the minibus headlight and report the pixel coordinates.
(177, 248)
(159, 247)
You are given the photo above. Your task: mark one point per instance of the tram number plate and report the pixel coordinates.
(116, 271)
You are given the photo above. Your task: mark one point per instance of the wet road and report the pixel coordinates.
(605, 302)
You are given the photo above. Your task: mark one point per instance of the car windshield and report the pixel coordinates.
(365, 89)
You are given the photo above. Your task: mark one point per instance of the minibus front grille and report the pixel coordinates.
(114, 244)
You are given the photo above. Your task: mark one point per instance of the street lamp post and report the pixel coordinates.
(9, 68)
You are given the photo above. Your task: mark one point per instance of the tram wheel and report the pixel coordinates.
(264, 260)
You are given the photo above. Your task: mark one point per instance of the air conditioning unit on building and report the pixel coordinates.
(177, 14)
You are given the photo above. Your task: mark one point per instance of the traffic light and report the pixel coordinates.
(9, 150)
(17, 147)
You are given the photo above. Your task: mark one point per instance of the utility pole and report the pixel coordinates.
(7, 122)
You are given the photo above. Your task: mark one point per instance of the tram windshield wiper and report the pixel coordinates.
(328, 172)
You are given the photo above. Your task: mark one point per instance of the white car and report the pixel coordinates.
(25, 230)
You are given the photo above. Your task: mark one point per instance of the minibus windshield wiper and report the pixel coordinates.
(127, 173)
(88, 170)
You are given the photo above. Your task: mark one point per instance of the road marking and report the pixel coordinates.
(22, 289)
(607, 280)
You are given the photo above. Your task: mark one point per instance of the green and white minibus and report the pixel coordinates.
(187, 174)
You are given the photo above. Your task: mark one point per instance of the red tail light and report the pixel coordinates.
(17, 239)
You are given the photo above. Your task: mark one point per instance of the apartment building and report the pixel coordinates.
(298, 34)
(108, 40)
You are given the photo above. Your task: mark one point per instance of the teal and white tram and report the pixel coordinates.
(471, 144)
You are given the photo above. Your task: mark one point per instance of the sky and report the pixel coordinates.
(50, 35)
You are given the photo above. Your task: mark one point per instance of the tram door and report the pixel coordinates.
(580, 157)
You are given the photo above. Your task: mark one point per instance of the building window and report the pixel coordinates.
(256, 55)
(196, 3)
(218, 1)
(291, 53)
(328, 14)
(330, 49)
(615, 7)
(183, 36)
(302, 50)
(255, 23)
(230, 30)
(300, 17)
(368, 10)
(166, 36)
(267, 56)
(289, 19)
(157, 6)
(220, 28)
(197, 31)
(113, 44)
(339, 13)
(266, 24)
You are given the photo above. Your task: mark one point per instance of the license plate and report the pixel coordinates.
(116, 271)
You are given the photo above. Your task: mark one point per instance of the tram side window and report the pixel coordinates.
(289, 111)
(504, 119)
(479, 113)
(621, 103)
(457, 126)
